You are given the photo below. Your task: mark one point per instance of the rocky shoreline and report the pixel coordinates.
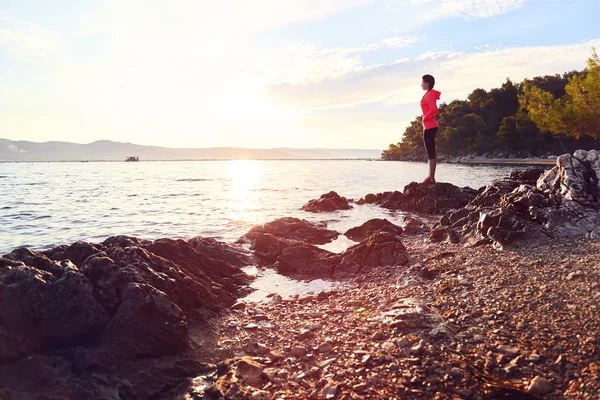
(498, 298)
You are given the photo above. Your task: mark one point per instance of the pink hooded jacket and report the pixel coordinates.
(430, 110)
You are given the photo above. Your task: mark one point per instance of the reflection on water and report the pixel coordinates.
(243, 196)
(268, 281)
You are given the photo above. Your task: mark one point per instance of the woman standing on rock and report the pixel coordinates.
(430, 126)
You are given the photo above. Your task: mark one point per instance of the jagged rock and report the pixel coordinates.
(575, 177)
(45, 310)
(360, 233)
(563, 203)
(379, 250)
(146, 323)
(230, 253)
(425, 199)
(77, 253)
(296, 229)
(413, 226)
(123, 307)
(326, 203)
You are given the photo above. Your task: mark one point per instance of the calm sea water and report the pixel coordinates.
(43, 205)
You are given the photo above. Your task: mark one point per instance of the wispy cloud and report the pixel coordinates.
(29, 40)
(400, 41)
(471, 9)
(457, 74)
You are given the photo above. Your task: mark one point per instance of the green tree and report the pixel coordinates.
(575, 114)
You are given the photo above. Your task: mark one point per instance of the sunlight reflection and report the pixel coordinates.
(245, 201)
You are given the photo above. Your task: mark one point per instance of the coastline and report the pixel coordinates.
(503, 161)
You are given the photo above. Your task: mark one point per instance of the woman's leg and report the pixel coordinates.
(432, 165)
(429, 141)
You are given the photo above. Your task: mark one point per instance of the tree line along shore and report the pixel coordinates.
(535, 119)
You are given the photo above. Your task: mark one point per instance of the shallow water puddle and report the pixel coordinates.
(268, 281)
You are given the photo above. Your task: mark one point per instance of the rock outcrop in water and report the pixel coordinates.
(109, 320)
(299, 230)
(381, 245)
(424, 199)
(326, 203)
(563, 203)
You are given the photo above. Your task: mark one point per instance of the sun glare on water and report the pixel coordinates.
(245, 202)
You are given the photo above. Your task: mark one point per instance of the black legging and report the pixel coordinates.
(429, 141)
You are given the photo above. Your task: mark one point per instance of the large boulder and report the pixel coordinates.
(326, 203)
(360, 233)
(296, 229)
(382, 249)
(110, 321)
(563, 203)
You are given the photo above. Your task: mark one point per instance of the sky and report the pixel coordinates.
(267, 73)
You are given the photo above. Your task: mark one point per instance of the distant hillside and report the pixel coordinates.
(106, 150)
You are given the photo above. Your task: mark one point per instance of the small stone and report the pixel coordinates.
(298, 351)
(262, 349)
(573, 275)
(315, 315)
(264, 324)
(324, 347)
(329, 390)
(260, 317)
(477, 339)
(322, 296)
(251, 327)
(387, 345)
(539, 385)
(327, 362)
(260, 395)
(378, 336)
(239, 306)
(276, 299)
(534, 357)
(417, 348)
(511, 351)
(305, 334)
(361, 387)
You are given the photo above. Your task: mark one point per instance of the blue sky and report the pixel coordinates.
(266, 73)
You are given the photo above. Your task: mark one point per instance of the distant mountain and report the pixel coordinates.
(106, 150)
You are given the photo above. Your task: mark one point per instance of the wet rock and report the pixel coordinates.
(306, 261)
(528, 176)
(360, 233)
(230, 253)
(326, 203)
(294, 229)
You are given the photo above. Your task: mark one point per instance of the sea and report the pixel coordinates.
(46, 204)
